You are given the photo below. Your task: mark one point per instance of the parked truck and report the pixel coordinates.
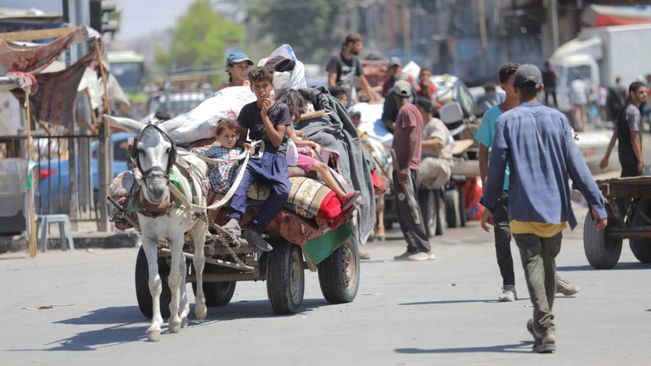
(601, 54)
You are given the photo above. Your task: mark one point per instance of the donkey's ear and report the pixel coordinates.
(172, 124)
(126, 124)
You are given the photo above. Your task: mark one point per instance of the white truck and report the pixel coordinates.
(601, 54)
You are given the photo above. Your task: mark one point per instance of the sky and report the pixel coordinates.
(139, 17)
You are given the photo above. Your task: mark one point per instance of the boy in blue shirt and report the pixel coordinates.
(537, 142)
(502, 231)
(266, 120)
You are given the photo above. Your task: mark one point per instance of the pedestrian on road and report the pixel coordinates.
(537, 143)
(627, 131)
(237, 68)
(616, 99)
(579, 100)
(502, 231)
(345, 69)
(407, 141)
(549, 76)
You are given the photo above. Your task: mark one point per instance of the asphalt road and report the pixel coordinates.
(441, 312)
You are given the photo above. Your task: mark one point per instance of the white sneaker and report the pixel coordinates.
(566, 287)
(508, 294)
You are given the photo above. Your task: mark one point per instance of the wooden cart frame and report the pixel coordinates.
(335, 255)
(628, 203)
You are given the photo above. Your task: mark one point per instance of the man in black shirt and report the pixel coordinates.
(627, 131)
(345, 69)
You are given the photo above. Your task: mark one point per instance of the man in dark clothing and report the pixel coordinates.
(390, 108)
(345, 69)
(549, 77)
(616, 99)
(627, 130)
(407, 145)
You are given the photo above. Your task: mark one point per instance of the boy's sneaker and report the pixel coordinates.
(566, 287)
(233, 228)
(508, 294)
(254, 238)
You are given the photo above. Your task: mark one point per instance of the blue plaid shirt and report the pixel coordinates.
(538, 145)
(222, 174)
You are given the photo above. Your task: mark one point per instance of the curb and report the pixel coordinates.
(103, 240)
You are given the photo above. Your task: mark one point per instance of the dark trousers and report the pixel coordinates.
(502, 232)
(539, 262)
(630, 171)
(415, 234)
(553, 94)
(273, 169)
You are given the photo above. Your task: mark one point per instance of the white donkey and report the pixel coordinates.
(161, 220)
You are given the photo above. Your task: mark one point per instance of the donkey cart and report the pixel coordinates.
(629, 217)
(334, 255)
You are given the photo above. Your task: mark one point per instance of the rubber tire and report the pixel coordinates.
(217, 293)
(143, 295)
(641, 247)
(441, 223)
(462, 207)
(283, 262)
(452, 213)
(336, 286)
(602, 253)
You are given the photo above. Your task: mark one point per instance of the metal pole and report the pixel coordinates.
(553, 14)
(104, 141)
(406, 28)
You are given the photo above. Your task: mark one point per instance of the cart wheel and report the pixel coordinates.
(601, 252)
(462, 207)
(285, 278)
(339, 274)
(641, 247)
(217, 293)
(143, 295)
(452, 204)
(441, 223)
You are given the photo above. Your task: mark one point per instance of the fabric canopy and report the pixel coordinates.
(54, 100)
(35, 59)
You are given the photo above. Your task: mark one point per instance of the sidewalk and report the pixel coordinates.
(82, 239)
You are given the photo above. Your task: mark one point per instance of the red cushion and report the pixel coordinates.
(330, 206)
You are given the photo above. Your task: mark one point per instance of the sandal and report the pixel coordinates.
(349, 200)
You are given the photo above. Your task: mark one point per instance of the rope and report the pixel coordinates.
(246, 155)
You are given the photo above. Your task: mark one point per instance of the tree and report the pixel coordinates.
(199, 38)
(309, 26)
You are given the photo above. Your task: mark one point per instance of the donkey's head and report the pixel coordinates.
(154, 153)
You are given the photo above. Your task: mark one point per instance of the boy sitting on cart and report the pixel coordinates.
(265, 120)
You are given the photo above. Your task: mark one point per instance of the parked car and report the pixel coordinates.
(53, 194)
(174, 103)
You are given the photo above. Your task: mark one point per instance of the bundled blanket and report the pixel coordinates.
(336, 132)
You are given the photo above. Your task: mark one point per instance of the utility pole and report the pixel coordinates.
(553, 15)
(406, 28)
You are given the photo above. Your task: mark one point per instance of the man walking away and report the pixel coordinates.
(538, 144)
(345, 69)
(502, 231)
(549, 77)
(627, 131)
(407, 141)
